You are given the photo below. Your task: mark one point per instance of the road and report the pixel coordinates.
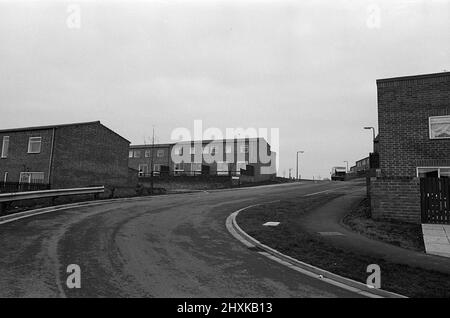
(163, 246)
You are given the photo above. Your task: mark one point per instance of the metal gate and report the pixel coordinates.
(435, 200)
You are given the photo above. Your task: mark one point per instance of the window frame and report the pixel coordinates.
(30, 142)
(159, 153)
(246, 147)
(5, 140)
(430, 133)
(143, 171)
(431, 167)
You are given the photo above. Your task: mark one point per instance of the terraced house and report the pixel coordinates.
(65, 156)
(249, 158)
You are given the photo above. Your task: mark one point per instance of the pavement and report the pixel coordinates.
(326, 220)
(161, 246)
(437, 239)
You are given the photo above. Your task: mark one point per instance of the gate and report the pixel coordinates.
(435, 200)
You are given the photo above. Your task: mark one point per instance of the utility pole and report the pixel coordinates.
(290, 172)
(151, 161)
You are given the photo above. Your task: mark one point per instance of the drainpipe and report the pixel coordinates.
(50, 165)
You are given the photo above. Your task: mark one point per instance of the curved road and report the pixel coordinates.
(164, 246)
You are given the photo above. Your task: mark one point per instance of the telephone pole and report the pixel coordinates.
(151, 160)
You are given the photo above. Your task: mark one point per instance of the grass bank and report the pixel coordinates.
(292, 239)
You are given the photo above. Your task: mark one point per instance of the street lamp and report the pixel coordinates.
(300, 151)
(373, 133)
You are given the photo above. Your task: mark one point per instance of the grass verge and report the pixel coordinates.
(291, 239)
(405, 235)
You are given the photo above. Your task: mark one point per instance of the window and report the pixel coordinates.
(439, 127)
(244, 148)
(34, 144)
(5, 146)
(130, 154)
(196, 166)
(222, 167)
(137, 153)
(143, 169)
(157, 167)
(178, 151)
(228, 149)
(160, 153)
(147, 154)
(192, 150)
(433, 172)
(241, 165)
(31, 177)
(178, 167)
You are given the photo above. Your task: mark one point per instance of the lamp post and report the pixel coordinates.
(300, 151)
(373, 133)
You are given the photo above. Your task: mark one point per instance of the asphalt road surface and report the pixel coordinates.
(164, 246)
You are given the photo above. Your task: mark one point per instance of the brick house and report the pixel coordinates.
(253, 156)
(65, 156)
(414, 142)
(141, 158)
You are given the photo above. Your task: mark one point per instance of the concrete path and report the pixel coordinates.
(437, 239)
(327, 219)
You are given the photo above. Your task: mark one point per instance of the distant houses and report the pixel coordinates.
(248, 158)
(89, 154)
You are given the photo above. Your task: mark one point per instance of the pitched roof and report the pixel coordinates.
(58, 126)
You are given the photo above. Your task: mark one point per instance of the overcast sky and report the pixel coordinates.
(307, 67)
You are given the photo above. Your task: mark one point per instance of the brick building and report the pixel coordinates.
(414, 142)
(250, 158)
(65, 156)
(141, 158)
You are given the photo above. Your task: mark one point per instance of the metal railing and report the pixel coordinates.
(30, 195)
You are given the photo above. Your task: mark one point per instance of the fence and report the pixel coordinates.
(435, 200)
(176, 173)
(12, 187)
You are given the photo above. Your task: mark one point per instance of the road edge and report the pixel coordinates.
(302, 267)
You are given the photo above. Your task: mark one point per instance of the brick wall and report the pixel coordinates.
(19, 160)
(404, 107)
(395, 198)
(87, 155)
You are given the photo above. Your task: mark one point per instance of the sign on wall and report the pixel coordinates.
(439, 127)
